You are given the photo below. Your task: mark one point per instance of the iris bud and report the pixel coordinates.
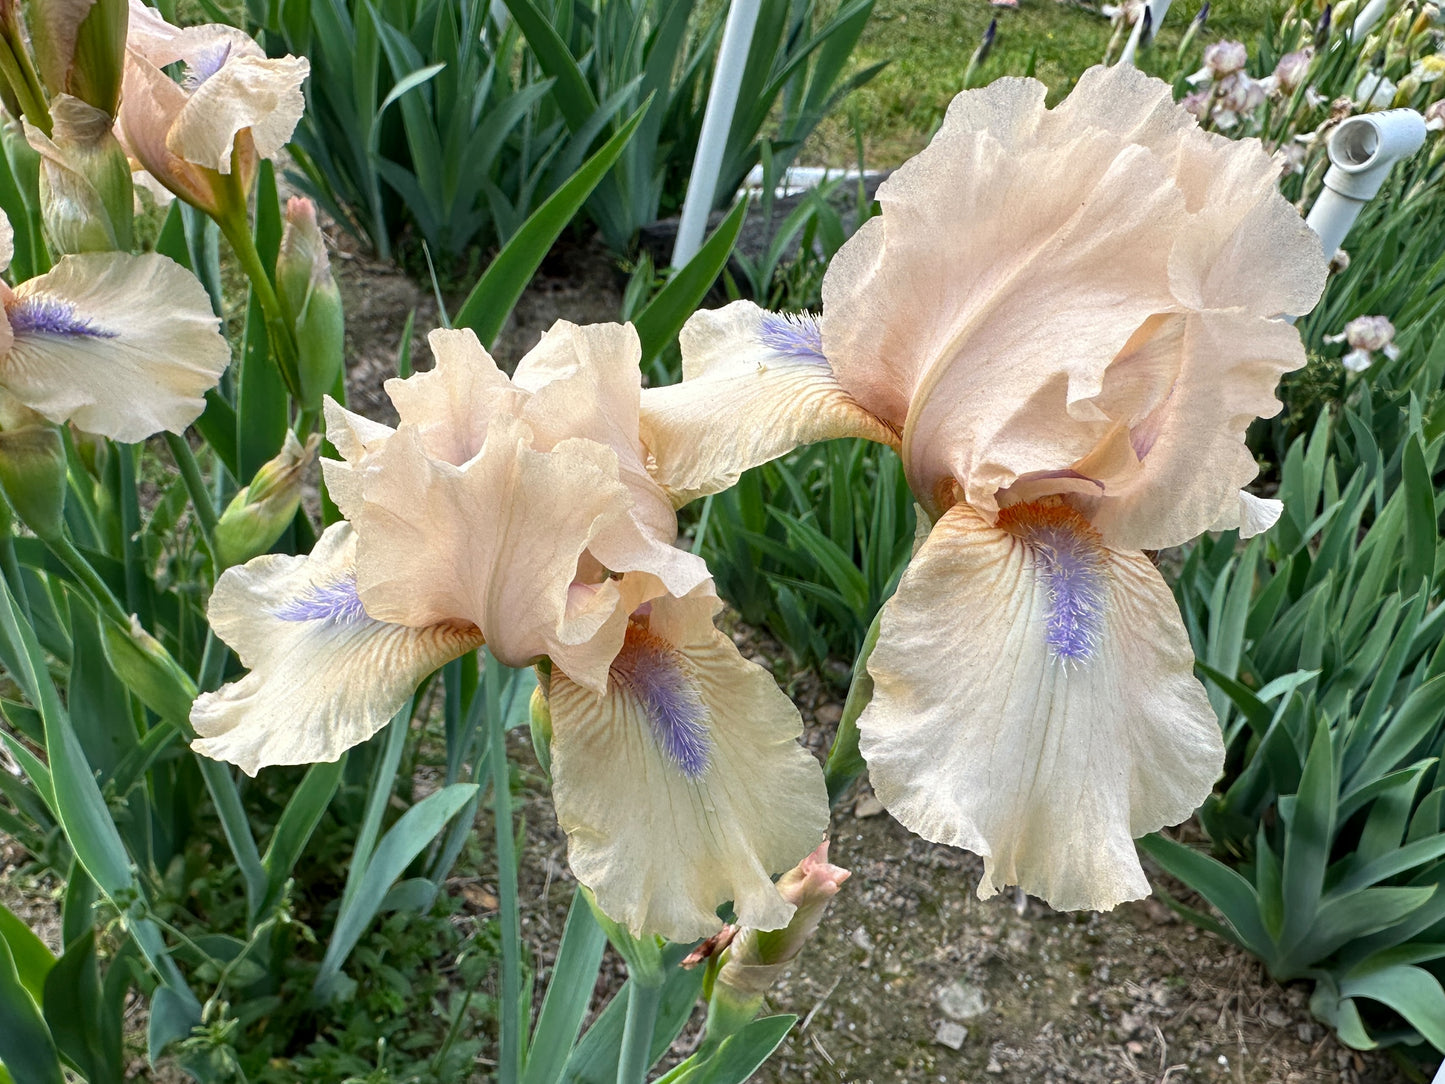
(756, 958)
(86, 193)
(149, 671)
(310, 301)
(32, 468)
(258, 515)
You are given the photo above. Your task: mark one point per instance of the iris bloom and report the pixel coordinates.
(123, 346)
(202, 138)
(520, 513)
(1064, 320)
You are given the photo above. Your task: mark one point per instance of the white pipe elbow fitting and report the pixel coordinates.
(1364, 147)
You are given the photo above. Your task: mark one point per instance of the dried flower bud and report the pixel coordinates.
(258, 515)
(1435, 115)
(1339, 262)
(311, 301)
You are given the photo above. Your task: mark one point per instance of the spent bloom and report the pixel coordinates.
(120, 345)
(1223, 58)
(1067, 389)
(202, 138)
(520, 513)
(1366, 336)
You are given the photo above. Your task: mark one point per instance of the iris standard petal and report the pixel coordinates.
(755, 385)
(123, 346)
(324, 675)
(683, 786)
(150, 102)
(1003, 276)
(495, 542)
(585, 381)
(451, 405)
(1034, 702)
(354, 438)
(1217, 371)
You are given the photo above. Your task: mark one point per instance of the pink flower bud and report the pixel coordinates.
(756, 957)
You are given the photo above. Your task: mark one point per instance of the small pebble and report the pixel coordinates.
(950, 1035)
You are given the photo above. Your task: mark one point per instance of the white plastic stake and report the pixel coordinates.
(722, 100)
(1362, 151)
(1368, 18)
(1157, 10)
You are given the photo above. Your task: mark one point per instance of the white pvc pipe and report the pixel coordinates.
(722, 100)
(1157, 10)
(1362, 151)
(1368, 18)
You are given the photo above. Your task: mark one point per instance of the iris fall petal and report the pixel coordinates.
(683, 785)
(123, 346)
(324, 675)
(1034, 702)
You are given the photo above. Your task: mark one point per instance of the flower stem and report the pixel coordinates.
(845, 762)
(283, 347)
(195, 484)
(636, 1056)
(509, 1061)
(98, 589)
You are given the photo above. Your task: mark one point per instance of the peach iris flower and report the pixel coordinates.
(520, 512)
(203, 137)
(120, 345)
(1064, 320)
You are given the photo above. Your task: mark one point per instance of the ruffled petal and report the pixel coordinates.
(1003, 276)
(123, 346)
(1034, 702)
(1217, 372)
(495, 543)
(259, 94)
(324, 675)
(7, 241)
(1253, 515)
(755, 385)
(1021, 254)
(1243, 245)
(354, 438)
(452, 404)
(684, 785)
(586, 382)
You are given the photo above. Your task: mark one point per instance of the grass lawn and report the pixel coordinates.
(928, 44)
